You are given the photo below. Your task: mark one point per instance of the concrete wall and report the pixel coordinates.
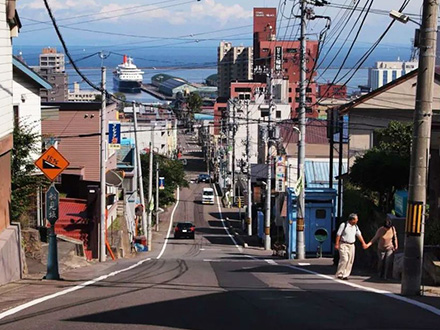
(10, 255)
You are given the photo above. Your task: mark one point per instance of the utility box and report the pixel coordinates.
(320, 206)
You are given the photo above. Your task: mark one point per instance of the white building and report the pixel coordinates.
(10, 254)
(249, 116)
(384, 72)
(50, 59)
(157, 127)
(78, 95)
(26, 99)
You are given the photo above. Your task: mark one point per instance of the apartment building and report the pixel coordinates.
(79, 95)
(385, 72)
(234, 64)
(52, 68)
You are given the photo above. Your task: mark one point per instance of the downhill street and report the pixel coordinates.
(212, 283)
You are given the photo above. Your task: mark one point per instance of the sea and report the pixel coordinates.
(195, 64)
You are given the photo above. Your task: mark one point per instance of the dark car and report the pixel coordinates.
(184, 229)
(204, 178)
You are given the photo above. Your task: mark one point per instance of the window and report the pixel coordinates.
(242, 90)
(320, 214)
(394, 74)
(16, 116)
(290, 100)
(385, 77)
(278, 114)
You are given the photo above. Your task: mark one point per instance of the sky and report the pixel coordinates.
(192, 22)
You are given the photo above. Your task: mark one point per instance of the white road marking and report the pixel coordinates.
(69, 290)
(424, 306)
(88, 283)
(223, 222)
(270, 262)
(303, 264)
(171, 224)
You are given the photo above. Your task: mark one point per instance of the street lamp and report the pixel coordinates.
(415, 217)
(401, 17)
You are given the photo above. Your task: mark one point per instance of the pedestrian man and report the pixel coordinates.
(345, 239)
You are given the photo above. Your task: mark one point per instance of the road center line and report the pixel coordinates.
(171, 224)
(223, 222)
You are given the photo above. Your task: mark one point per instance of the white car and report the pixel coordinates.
(208, 196)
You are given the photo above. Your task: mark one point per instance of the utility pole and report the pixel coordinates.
(300, 242)
(103, 199)
(267, 239)
(415, 219)
(234, 131)
(150, 191)
(157, 196)
(249, 177)
(139, 171)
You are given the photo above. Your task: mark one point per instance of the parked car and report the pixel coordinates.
(184, 229)
(204, 178)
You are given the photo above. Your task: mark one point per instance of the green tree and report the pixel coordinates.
(121, 100)
(171, 170)
(24, 181)
(385, 168)
(194, 104)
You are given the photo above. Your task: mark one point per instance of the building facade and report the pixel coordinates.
(385, 72)
(233, 64)
(52, 68)
(78, 95)
(10, 253)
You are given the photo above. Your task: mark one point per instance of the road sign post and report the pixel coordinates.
(52, 163)
(52, 212)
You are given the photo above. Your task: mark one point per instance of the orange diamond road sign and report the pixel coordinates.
(51, 163)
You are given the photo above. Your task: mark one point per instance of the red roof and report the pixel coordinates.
(316, 132)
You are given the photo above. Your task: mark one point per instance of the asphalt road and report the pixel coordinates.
(211, 283)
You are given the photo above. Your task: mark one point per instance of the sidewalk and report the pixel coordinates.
(33, 286)
(364, 278)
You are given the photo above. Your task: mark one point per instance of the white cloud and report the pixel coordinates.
(220, 12)
(60, 5)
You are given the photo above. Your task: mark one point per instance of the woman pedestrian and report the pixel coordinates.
(387, 245)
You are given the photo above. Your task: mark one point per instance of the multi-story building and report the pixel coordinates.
(78, 95)
(10, 254)
(51, 59)
(282, 58)
(234, 64)
(384, 72)
(52, 68)
(155, 125)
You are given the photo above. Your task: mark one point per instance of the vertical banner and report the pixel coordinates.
(161, 183)
(278, 63)
(280, 174)
(114, 135)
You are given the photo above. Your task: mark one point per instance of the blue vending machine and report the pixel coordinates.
(319, 218)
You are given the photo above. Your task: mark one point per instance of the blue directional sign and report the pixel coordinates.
(161, 183)
(114, 135)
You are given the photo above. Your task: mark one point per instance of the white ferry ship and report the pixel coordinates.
(127, 78)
